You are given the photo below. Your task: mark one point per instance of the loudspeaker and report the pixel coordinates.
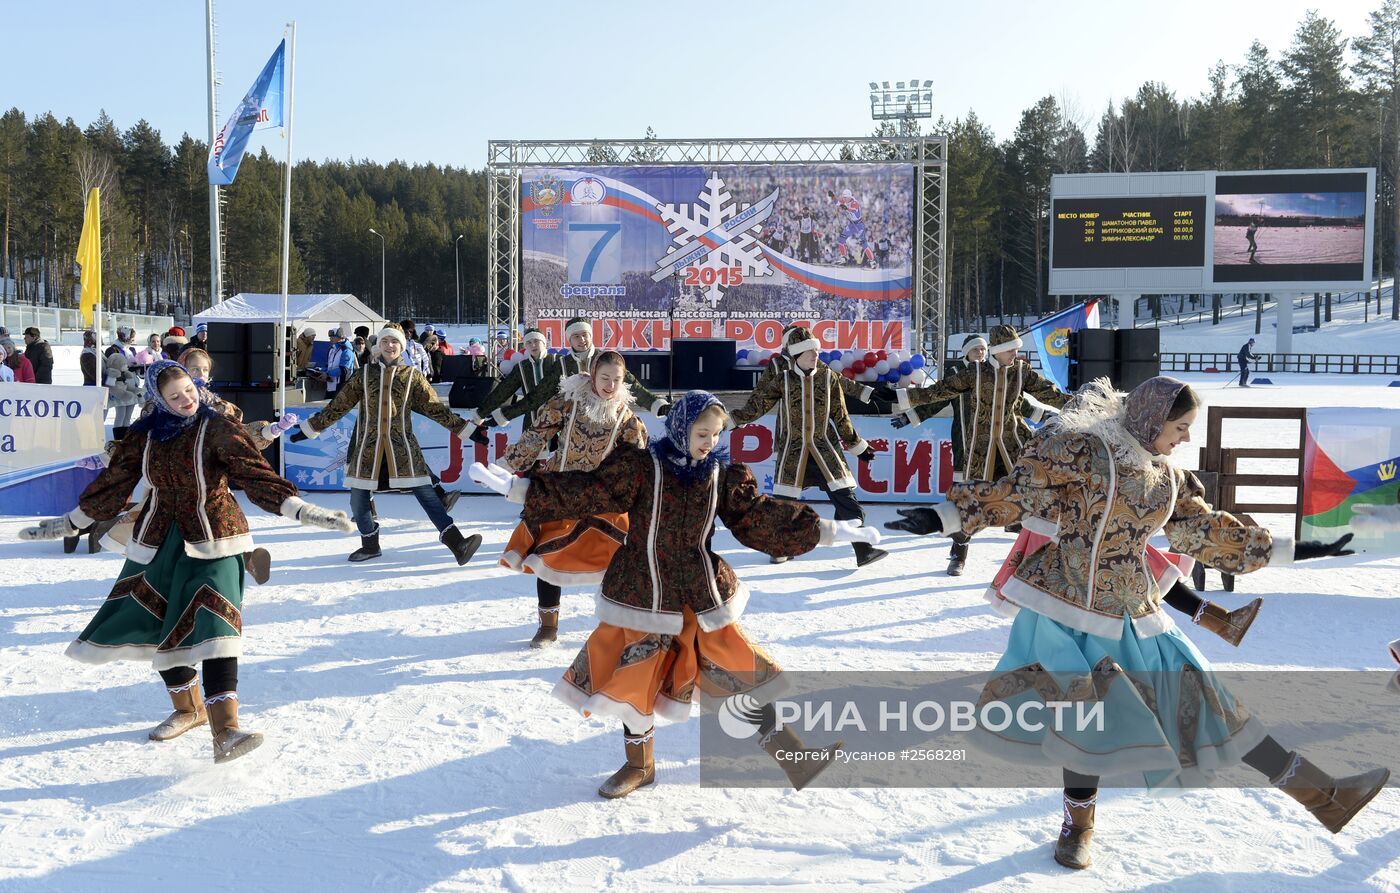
(1093, 344)
(1084, 371)
(262, 369)
(227, 337)
(1139, 345)
(745, 379)
(467, 393)
(460, 366)
(258, 404)
(652, 367)
(1133, 373)
(262, 337)
(230, 368)
(703, 363)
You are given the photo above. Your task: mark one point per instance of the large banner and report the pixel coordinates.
(913, 464)
(44, 429)
(729, 251)
(1350, 458)
(1051, 339)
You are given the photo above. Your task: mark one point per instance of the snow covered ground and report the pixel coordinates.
(412, 743)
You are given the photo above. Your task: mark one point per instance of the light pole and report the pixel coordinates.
(457, 253)
(382, 311)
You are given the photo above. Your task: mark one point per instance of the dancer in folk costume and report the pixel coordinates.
(812, 429)
(517, 384)
(1090, 620)
(668, 610)
(178, 600)
(580, 358)
(384, 453)
(994, 429)
(590, 417)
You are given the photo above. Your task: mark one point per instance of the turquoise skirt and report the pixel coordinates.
(1147, 706)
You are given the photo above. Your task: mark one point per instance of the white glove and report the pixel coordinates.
(326, 519)
(854, 532)
(1375, 520)
(492, 477)
(49, 529)
(282, 425)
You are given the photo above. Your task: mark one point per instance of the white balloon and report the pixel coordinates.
(882, 367)
(837, 366)
(905, 380)
(869, 375)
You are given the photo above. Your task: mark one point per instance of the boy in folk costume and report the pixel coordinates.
(668, 610)
(178, 600)
(812, 429)
(590, 416)
(384, 453)
(580, 358)
(994, 429)
(1090, 613)
(522, 381)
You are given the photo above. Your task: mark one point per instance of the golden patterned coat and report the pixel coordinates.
(387, 397)
(812, 424)
(1105, 496)
(588, 427)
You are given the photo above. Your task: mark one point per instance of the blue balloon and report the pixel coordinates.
(906, 367)
(917, 361)
(741, 355)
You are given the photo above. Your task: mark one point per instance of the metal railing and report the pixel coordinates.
(1311, 363)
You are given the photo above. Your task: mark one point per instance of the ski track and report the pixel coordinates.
(412, 742)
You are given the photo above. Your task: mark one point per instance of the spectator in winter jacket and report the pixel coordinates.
(6, 373)
(19, 365)
(414, 354)
(87, 360)
(302, 350)
(433, 348)
(39, 355)
(340, 363)
(1246, 354)
(174, 344)
(151, 353)
(201, 336)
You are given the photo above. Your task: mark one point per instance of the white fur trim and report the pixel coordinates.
(721, 616)
(518, 488)
(999, 603)
(827, 536)
(802, 347)
(1043, 526)
(80, 519)
(500, 417)
(972, 345)
(139, 553)
(1023, 594)
(858, 447)
(787, 490)
(92, 653)
(397, 335)
(309, 429)
(416, 481)
(641, 619)
(1006, 345)
(291, 507)
(220, 548)
(535, 336)
(512, 560)
(474, 417)
(576, 328)
(358, 483)
(949, 515)
(866, 393)
(537, 566)
(914, 419)
(657, 404)
(901, 397)
(1281, 553)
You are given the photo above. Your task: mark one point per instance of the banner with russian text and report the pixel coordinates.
(44, 429)
(729, 251)
(913, 464)
(1351, 457)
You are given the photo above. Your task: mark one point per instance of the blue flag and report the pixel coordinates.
(1051, 336)
(260, 109)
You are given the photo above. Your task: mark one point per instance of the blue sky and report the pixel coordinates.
(426, 80)
(1283, 204)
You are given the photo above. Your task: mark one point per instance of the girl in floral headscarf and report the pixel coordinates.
(1090, 623)
(669, 606)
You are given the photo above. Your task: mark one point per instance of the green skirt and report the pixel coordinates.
(174, 612)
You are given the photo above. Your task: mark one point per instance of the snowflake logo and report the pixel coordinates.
(302, 477)
(715, 234)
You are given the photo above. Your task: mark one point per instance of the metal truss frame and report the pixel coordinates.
(506, 159)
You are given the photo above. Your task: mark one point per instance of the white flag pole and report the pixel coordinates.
(283, 367)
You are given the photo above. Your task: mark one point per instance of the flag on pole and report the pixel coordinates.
(260, 109)
(90, 257)
(1051, 336)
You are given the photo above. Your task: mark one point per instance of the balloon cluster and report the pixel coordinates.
(897, 367)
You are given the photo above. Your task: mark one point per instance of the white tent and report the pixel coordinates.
(320, 312)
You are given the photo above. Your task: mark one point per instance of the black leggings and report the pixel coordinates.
(220, 675)
(1268, 757)
(547, 593)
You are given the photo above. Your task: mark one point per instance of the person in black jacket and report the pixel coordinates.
(1246, 354)
(39, 355)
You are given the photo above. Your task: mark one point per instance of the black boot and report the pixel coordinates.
(99, 530)
(957, 558)
(463, 547)
(448, 499)
(369, 547)
(867, 554)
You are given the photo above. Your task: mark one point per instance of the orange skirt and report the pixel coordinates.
(634, 675)
(567, 553)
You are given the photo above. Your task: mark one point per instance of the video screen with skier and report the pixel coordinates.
(1306, 227)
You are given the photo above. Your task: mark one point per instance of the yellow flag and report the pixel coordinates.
(90, 257)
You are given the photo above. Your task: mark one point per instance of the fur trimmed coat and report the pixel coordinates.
(564, 366)
(588, 427)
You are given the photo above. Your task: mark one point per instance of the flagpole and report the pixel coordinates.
(290, 100)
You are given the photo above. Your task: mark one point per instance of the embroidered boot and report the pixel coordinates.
(639, 770)
(799, 763)
(259, 565)
(463, 547)
(1332, 801)
(1228, 625)
(548, 633)
(369, 547)
(189, 712)
(230, 741)
(957, 558)
(1076, 831)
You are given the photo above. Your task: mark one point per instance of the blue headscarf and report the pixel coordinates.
(165, 424)
(674, 448)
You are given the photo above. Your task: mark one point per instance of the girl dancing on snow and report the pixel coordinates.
(178, 600)
(1090, 622)
(669, 606)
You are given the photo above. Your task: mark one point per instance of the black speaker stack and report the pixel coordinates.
(245, 373)
(703, 363)
(651, 367)
(1127, 357)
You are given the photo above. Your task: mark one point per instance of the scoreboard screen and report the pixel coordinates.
(1143, 231)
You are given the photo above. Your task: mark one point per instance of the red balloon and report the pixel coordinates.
(765, 361)
(857, 367)
(510, 352)
(882, 354)
(871, 358)
(849, 372)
